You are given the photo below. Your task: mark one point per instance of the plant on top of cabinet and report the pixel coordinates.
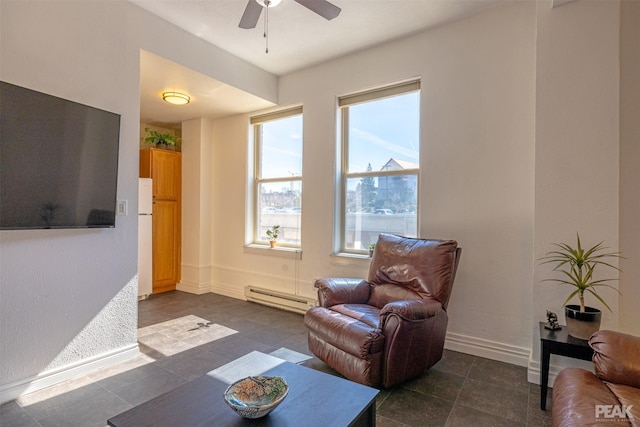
(155, 137)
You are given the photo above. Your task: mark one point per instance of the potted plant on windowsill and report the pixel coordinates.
(272, 235)
(578, 266)
(160, 139)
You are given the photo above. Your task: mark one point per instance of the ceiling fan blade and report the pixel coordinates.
(321, 7)
(251, 15)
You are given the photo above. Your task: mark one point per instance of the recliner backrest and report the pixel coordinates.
(406, 268)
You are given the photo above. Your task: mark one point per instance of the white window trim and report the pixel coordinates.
(254, 244)
(278, 251)
(342, 176)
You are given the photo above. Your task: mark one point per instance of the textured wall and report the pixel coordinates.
(69, 296)
(61, 290)
(113, 327)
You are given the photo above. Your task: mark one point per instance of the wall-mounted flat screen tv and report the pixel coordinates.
(58, 162)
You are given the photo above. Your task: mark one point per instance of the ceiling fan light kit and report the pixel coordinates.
(254, 8)
(268, 3)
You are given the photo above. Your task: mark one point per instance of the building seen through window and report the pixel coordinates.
(380, 166)
(278, 175)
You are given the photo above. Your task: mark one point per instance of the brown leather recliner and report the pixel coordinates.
(611, 396)
(391, 327)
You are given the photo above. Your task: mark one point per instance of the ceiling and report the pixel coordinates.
(210, 98)
(298, 38)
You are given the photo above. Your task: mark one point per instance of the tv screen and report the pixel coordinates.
(58, 162)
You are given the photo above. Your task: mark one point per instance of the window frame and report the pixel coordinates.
(344, 102)
(256, 123)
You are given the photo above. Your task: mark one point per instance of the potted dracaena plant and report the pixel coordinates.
(578, 266)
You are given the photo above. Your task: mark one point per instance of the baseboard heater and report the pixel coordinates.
(281, 300)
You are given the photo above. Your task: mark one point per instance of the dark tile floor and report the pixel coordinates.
(460, 390)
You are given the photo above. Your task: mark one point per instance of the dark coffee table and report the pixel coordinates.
(315, 399)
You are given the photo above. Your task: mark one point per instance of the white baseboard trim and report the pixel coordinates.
(533, 368)
(45, 379)
(196, 279)
(489, 349)
(232, 281)
(519, 356)
(533, 372)
(193, 288)
(228, 291)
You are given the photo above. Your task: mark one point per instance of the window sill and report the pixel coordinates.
(278, 251)
(344, 258)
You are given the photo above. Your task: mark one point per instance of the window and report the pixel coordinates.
(278, 175)
(380, 164)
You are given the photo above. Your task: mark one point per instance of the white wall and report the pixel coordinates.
(520, 148)
(68, 298)
(630, 166)
(69, 295)
(477, 164)
(196, 206)
(577, 142)
(508, 96)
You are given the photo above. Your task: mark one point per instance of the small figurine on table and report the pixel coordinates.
(552, 321)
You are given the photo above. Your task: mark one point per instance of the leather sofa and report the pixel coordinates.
(611, 396)
(391, 327)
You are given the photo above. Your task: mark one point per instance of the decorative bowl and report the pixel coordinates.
(255, 397)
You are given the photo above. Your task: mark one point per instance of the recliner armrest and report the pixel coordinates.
(616, 357)
(335, 291)
(412, 309)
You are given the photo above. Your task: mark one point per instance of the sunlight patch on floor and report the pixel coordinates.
(255, 363)
(181, 334)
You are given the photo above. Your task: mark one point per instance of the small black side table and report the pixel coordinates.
(561, 343)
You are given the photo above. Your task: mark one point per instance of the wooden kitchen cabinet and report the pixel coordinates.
(166, 245)
(165, 168)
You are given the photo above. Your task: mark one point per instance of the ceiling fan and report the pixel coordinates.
(254, 9)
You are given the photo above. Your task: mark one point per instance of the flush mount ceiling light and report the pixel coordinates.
(176, 98)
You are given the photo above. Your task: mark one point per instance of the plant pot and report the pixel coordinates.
(580, 324)
(161, 146)
(272, 243)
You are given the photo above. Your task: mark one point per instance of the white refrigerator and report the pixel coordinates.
(145, 257)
